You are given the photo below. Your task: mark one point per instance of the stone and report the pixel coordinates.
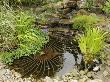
(95, 80)
(2, 72)
(82, 80)
(89, 74)
(55, 80)
(82, 72)
(75, 72)
(48, 79)
(61, 81)
(73, 80)
(105, 73)
(96, 68)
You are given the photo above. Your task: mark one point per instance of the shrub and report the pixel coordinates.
(31, 42)
(29, 39)
(25, 2)
(106, 7)
(91, 42)
(24, 21)
(7, 28)
(31, 2)
(84, 21)
(88, 4)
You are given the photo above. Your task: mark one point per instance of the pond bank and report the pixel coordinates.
(7, 75)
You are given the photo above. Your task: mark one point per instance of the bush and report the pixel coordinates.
(29, 39)
(7, 28)
(31, 2)
(91, 43)
(84, 21)
(88, 4)
(106, 7)
(25, 2)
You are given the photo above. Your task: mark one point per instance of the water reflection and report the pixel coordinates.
(54, 59)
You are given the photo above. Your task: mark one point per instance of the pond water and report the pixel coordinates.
(58, 57)
(69, 63)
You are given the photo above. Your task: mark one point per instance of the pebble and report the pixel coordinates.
(55, 80)
(105, 73)
(82, 72)
(73, 80)
(95, 80)
(89, 74)
(48, 79)
(82, 80)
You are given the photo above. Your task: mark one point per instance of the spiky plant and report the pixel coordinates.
(91, 42)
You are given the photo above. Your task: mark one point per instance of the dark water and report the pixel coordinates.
(58, 57)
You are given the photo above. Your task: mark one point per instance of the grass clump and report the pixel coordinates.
(84, 21)
(91, 42)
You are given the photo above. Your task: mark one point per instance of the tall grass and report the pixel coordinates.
(91, 42)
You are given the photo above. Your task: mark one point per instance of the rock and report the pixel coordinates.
(82, 72)
(89, 74)
(82, 80)
(105, 73)
(55, 80)
(73, 80)
(57, 77)
(96, 68)
(61, 81)
(95, 80)
(48, 79)
(75, 72)
(2, 72)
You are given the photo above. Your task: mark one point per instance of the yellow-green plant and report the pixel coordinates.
(91, 42)
(106, 7)
(84, 21)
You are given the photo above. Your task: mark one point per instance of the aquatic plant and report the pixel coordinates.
(84, 21)
(91, 42)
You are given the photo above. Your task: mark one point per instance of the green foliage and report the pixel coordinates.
(106, 7)
(30, 2)
(25, 2)
(91, 43)
(7, 28)
(84, 21)
(19, 26)
(88, 4)
(24, 21)
(31, 42)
